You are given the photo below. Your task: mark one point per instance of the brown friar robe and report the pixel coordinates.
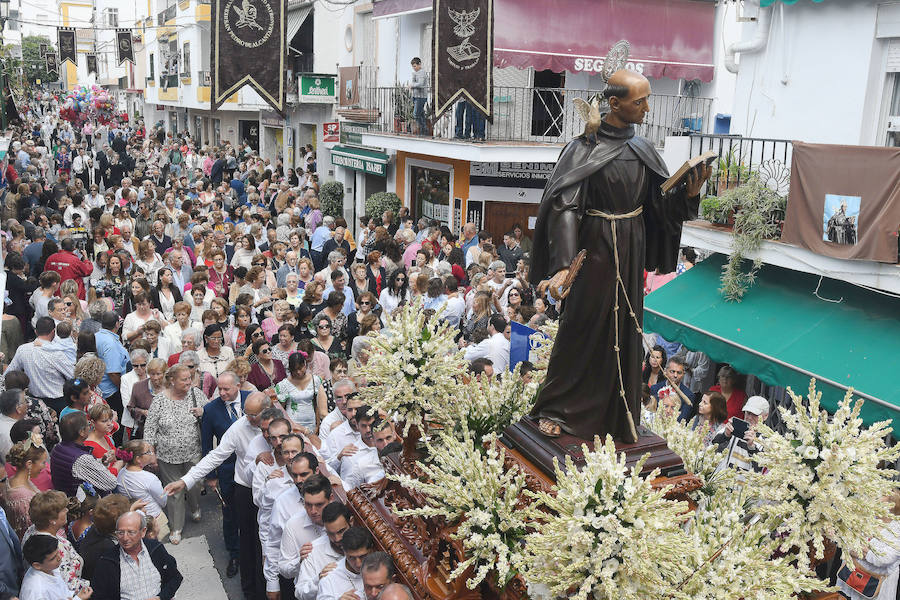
(614, 172)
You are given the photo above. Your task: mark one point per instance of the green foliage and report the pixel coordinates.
(35, 65)
(331, 198)
(730, 169)
(379, 202)
(403, 103)
(756, 210)
(710, 209)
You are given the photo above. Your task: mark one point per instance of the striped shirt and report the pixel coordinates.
(139, 579)
(47, 370)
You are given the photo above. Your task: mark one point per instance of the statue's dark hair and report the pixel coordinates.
(619, 91)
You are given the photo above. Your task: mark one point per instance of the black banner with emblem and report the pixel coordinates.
(51, 64)
(45, 48)
(65, 39)
(463, 54)
(124, 46)
(91, 63)
(249, 46)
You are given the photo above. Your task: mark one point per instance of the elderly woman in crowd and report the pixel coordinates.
(215, 355)
(139, 359)
(144, 391)
(173, 331)
(240, 366)
(90, 368)
(173, 427)
(200, 379)
(283, 313)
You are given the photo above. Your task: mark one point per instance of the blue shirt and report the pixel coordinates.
(321, 235)
(349, 301)
(113, 353)
(464, 245)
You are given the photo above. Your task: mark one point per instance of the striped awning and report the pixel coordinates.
(296, 16)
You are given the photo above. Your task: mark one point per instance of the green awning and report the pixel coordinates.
(784, 335)
(367, 161)
(765, 3)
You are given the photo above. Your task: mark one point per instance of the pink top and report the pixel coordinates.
(16, 502)
(42, 482)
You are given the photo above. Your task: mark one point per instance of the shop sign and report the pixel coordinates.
(317, 88)
(331, 132)
(510, 174)
(352, 134)
(374, 163)
(270, 118)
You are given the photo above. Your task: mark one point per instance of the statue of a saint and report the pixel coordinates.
(604, 197)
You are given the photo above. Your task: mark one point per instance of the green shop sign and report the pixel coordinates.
(367, 161)
(317, 88)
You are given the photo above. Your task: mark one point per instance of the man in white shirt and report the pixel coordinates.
(495, 347)
(285, 446)
(346, 576)
(377, 573)
(128, 241)
(237, 440)
(364, 465)
(325, 554)
(305, 526)
(344, 437)
(341, 413)
(286, 505)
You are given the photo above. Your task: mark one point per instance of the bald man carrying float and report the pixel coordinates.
(604, 197)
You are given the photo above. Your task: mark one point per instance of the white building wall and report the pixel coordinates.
(813, 80)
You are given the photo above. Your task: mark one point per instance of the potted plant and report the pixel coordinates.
(402, 103)
(379, 202)
(331, 198)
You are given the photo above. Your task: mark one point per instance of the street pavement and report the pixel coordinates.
(202, 558)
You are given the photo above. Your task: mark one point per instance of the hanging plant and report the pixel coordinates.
(756, 210)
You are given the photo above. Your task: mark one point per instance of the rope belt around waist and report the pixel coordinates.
(611, 217)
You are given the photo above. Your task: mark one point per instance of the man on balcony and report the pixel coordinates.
(419, 89)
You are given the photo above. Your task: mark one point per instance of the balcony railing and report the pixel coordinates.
(545, 115)
(166, 15)
(740, 157)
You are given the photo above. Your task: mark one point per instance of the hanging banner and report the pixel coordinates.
(349, 92)
(51, 64)
(844, 201)
(92, 64)
(124, 46)
(249, 44)
(463, 51)
(65, 40)
(44, 49)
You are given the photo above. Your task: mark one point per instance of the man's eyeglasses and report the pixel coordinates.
(139, 365)
(127, 532)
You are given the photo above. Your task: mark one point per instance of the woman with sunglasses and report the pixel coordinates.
(215, 355)
(139, 360)
(302, 395)
(144, 390)
(365, 305)
(267, 371)
(395, 293)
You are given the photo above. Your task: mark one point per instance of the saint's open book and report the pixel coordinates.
(707, 157)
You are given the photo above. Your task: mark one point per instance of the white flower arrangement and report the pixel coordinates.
(473, 490)
(605, 532)
(413, 365)
(699, 459)
(543, 346)
(822, 478)
(486, 406)
(732, 557)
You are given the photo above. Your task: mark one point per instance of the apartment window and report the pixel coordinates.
(186, 58)
(152, 70)
(13, 22)
(111, 17)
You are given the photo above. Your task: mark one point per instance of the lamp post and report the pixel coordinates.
(4, 15)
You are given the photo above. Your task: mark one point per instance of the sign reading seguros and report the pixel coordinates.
(594, 65)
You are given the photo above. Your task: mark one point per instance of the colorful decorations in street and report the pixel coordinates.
(88, 104)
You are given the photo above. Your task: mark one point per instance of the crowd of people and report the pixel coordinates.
(181, 317)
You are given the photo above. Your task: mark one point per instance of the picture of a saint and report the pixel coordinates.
(841, 218)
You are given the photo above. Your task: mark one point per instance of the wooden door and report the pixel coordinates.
(500, 217)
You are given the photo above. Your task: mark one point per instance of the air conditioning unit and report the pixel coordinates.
(205, 78)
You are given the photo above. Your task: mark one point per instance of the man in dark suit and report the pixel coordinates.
(218, 415)
(218, 170)
(11, 561)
